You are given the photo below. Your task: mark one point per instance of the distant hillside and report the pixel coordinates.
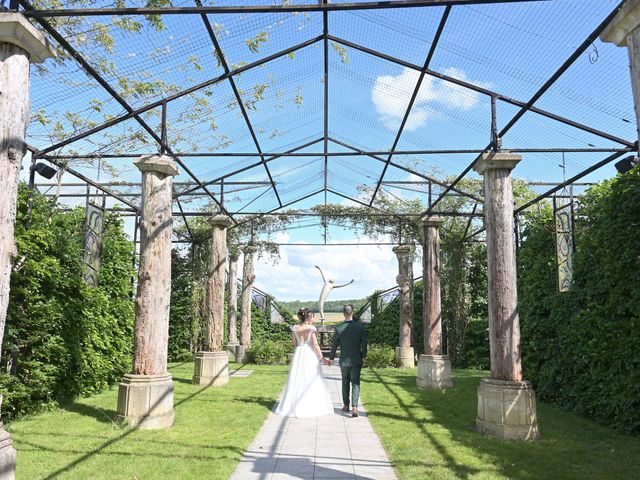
(329, 306)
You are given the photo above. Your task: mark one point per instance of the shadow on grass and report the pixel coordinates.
(100, 449)
(102, 415)
(570, 447)
(134, 453)
(265, 402)
(458, 468)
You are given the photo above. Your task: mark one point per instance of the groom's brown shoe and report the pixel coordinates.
(345, 408)
(355, 412)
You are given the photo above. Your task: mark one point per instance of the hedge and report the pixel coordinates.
(62, 338)
(581, 348)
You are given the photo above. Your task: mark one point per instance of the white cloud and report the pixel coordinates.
(295, 277)
(391, 95)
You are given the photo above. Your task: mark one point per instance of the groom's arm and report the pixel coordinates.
(363, 343)
(334, 345)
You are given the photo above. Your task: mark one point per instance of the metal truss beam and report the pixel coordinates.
(484, 91)
(325, 42)
(355, 153)
(409, 170)
(236, 93)
(414, 95)
(88, 181)
(560, 186)
(347, 197)
(246, 9)
(528, 106)
(273, 211)
(104, 84)
(580, 175)
(207, 83)
(249, 167)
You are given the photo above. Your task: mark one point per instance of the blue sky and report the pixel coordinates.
(509, 48)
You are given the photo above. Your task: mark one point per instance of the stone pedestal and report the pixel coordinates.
(212, 369)
(241, 354)
(232, 350)
(507, 410)
(7, 456)
(146, 401)
(434, 371)
(405, 357)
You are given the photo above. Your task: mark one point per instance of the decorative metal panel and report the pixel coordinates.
(93, 226)
(564, 244)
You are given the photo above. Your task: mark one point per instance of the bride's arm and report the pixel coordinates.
(316, 347)
(293, 337)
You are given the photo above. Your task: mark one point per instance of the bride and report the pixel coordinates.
(306, 394)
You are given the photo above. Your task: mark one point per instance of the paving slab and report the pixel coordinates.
(332, 446)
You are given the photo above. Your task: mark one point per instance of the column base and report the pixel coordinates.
(434, 372)
(507, 410)
(7, 456)
(232, 349)
(405, 357)
(146, 401)
(211, 369)
(241, 354)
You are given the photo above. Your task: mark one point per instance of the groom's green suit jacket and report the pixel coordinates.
(352, 339)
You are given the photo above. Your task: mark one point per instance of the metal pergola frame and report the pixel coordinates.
(263, 158)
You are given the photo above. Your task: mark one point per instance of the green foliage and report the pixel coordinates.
(384, 327)
(581, 347)
(184, 324)
(269, 352)
(263, 330)
(380, 356)
(63, 338)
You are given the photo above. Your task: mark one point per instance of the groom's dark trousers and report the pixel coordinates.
(350, 378)
(351, 337)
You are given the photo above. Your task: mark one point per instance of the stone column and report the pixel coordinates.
(211, 366)
(248, 278)
(434, 368)
(145, 397)
(506, 403)
(20, 45)
(623, 31)
(404, 350)
(232, 309)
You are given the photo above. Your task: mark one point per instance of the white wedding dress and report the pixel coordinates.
(306, 393)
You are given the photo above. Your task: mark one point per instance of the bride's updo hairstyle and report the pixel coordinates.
(303, 313)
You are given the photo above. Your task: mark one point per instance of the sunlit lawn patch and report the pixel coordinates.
(213, 427)
(431, 434)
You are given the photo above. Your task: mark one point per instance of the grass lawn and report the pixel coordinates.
(213, 427)
(431, 434)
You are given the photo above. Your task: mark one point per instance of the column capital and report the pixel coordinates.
(496, 160)
(249, 249)
(157, 163)
(219, 220)
(625, 21)
(403, 249)
(432, 220)
(16, 29)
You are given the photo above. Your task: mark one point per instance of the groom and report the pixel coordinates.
(352, 340)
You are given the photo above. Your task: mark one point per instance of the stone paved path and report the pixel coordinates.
(333, 446)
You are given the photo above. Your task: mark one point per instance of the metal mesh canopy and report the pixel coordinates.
(269, 106)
